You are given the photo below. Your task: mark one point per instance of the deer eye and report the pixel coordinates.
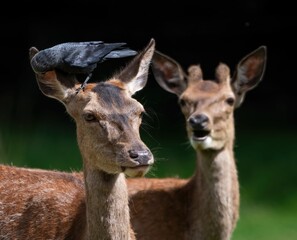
(230, 101)
(182, 102)
(141, 115)
(90, 117)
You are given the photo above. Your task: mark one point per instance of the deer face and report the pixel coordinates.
(106, 115)
(208, 105)
(208, 109)
(108, 122)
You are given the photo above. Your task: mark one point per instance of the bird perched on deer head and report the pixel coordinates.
(78, 57)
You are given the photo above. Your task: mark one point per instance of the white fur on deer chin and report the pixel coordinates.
(206, 143)
(136, 171)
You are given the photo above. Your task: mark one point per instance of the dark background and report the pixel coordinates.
(35, 131)
(205, 33)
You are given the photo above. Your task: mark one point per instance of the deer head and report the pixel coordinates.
(208, 104)
(106, 115)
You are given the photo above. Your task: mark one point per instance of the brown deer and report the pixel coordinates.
(44, 204)
(206, 206)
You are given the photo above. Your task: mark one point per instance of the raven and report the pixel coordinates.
(77, 57)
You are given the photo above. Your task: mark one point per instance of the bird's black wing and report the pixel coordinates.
(78, 57)
(90, 53)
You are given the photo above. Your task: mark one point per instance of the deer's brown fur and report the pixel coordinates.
(202, 207)
(51, 205)
(205, 206)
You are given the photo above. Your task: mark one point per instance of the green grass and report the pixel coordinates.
(266, 165)
(41, 147)
(262, 222)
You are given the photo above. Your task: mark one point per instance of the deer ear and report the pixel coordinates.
(168, 73)
(54, 84)
(135, 74)
(249, 73)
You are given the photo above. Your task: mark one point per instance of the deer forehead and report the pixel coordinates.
(106, 98)
(206, 89)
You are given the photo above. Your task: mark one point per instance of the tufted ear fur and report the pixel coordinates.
(249, 72)
(54, 84)
(168, 73)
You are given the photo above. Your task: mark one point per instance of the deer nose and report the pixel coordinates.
(143, 157)
(198, 122)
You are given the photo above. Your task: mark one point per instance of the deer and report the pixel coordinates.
(94, 203)
(206, 205)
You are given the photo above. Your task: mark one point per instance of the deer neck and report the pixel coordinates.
(214, 201)
(107, 209)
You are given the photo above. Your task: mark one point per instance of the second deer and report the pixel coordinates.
(206, 206)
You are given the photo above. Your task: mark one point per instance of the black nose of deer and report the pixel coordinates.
(143, 156)
(198, 122)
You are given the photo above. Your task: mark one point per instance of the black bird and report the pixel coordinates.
(77, 57)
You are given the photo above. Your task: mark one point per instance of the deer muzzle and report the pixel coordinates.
(140, 162)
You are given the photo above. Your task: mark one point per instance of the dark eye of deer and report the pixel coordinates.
(89, 117)
(141, 115)
(182, 102)
(230, 101)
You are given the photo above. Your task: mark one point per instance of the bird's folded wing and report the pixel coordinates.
(78, 57)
